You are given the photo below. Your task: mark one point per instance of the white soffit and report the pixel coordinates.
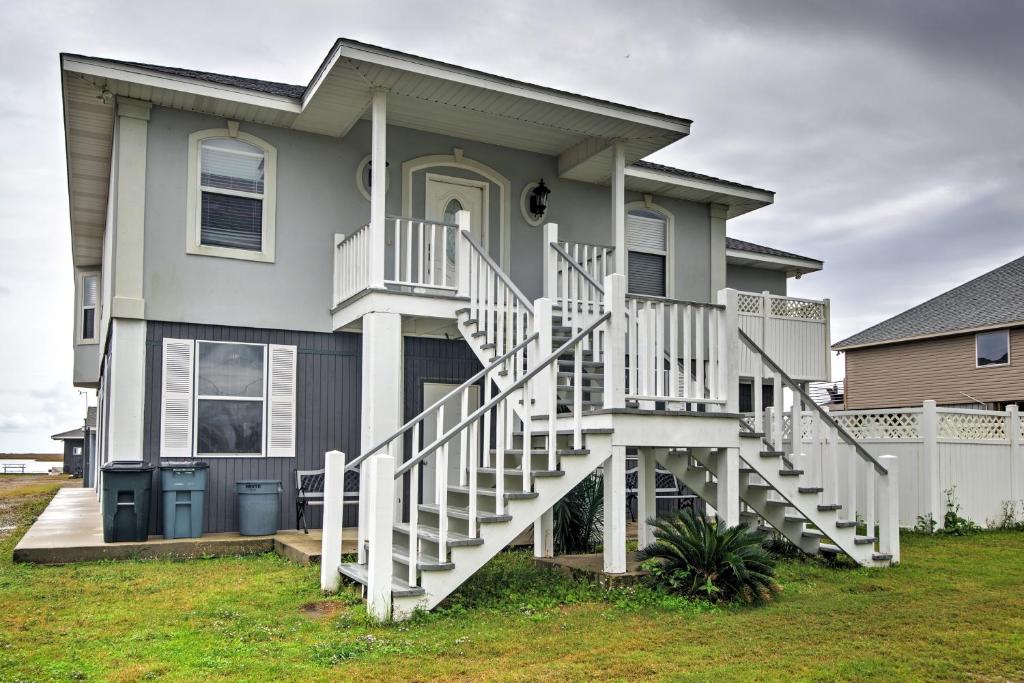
(739, 200)
(791, 266)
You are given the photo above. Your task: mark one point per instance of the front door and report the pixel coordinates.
(432, 393)
(445, 197)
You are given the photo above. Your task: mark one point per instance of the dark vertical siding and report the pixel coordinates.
(327, 414)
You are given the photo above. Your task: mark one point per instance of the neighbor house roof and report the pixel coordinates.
(79, 432)
(992, 300)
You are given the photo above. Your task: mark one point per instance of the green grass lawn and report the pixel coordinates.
(953, 611)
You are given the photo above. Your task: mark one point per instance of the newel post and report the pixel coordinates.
(462, 219)
(1016, 467)
(380, 522)
(339, 237)
(615, 341)
(889, 508)
(932, 466)
(550, 260)
(334, 512)
(542, 387)
(729, 351)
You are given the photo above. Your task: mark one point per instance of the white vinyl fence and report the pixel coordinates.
(976, 452)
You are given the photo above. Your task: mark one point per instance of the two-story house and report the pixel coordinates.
(476, 282)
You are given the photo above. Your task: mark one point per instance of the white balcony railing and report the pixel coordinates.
(794, 332)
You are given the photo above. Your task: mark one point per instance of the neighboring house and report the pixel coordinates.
(76, 444)
(267, 272)
(963, 348)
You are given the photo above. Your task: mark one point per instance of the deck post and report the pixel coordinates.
(619, 204)
(463, 220)
(334, 513)
(383, 378)
(727, 500)
(615, 511)
(550, 261)
(932, 472)
(378, 186)
(544, 535)
(381, 471)
(729, 351)
(541, 388)
(646, 497)
(889, 508)
(615, 342)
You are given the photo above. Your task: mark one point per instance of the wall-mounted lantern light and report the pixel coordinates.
(369, 172)
(539, 199)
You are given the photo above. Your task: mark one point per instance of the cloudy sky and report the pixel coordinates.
(893, 132)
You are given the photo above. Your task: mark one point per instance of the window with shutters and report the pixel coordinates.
(228, 399)
(647, 237)
(87, 318)
(231, 195)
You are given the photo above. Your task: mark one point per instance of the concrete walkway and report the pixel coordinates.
(71, 530)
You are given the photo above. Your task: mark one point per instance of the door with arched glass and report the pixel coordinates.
(445, 197)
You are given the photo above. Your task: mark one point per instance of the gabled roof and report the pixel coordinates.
(742, 253)
(992, 300)
(78, 432)
(740, 245)
(697, 176)
(253, 84)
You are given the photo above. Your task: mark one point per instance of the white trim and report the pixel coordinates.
(703, 185)
(80, 308)
(194, 205)
(196, 397)
(459, 161)
(802, 264)
(485, 204)
(360, 168)
(992, 365)
(524, 207)
(670, 243)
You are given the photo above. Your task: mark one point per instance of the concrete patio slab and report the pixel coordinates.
(70, 529)
(591, 567)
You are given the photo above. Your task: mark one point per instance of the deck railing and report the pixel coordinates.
(422, 253)
(351, 264)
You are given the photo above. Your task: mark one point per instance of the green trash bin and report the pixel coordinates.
(259, 506)
(126, 490)
(183, 486)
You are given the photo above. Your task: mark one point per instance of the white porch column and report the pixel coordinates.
(382, 381)
(727, 495)
(378, 185)
(130, 211)
(544, 535)
(646, 497)
(718, 264)
(619, 204)
(126, 376)
(615, 511)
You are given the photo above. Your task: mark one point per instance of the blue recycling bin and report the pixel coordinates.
(183, 486)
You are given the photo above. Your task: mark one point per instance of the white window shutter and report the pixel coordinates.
(176, 399)
(281, 401)
(645, 232)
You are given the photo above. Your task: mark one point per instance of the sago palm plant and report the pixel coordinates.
(578, 517)
(694, 556)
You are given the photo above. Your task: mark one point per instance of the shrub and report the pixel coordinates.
(954, 524)
(1008, 518)
(693, 556)
(579, 517)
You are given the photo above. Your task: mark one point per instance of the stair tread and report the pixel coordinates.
(511, 495)
(829, 507)
(845, 524)
(358, 573)
(425, 563)
(540, 450)
(810, 489)
(569, 432)
(483, 517)
(518, 472)
(790, 473)
(430, 533)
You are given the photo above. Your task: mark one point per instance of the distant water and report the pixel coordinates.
(31, 466)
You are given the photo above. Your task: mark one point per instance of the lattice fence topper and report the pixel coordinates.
(749, 304)
(967, 426)
(881, 425)
(793, 308)
(805, 427)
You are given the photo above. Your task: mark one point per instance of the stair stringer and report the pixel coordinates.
(497, 536)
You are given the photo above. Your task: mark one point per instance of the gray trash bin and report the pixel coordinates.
(183, 486)
(126, 490)
(259, 506)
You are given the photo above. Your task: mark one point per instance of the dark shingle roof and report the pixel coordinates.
(992, 299)
(267, 87)
(650, 165)
(740, 245)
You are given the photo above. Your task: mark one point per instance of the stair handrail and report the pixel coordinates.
(805, 397)
(591, 280)
(356, 462)
(499, 271)
(501, 396)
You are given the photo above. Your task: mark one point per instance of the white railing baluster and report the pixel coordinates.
(577, 398)
(528, 437)
(499, 468)
(474, 440)
(698, 344)
(414, 523)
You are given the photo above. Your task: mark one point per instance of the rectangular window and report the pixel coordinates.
(647, 245)
(992, 348)
(230, 383)
(231, 183)
(87, 320)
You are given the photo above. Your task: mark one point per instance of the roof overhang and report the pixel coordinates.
(793, 267)
(738, 200)
(840, 346)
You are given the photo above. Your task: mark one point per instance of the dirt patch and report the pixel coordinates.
(17, 490)
(323, 609)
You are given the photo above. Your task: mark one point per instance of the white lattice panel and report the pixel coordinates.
(795, 308)
(749, 304)
(968, 426)
(893, 426)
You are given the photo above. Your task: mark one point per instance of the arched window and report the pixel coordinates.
(647, 247)
(231, 196)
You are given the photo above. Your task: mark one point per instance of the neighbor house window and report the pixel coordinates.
(88, 292)
(647, 245)
(227, 399)
(992, 348)
(231, 196)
